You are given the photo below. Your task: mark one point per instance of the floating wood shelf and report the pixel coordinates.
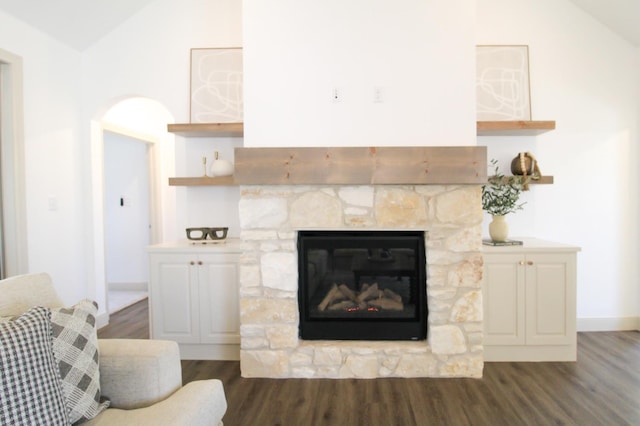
(203, 181)
(513, 128)
(199, 130)
(544, 180)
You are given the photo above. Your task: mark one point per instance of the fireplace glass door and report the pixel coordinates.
(362, 285)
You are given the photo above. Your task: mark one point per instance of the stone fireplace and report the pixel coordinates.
(270, 218)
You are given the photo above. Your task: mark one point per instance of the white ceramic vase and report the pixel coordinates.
(221, 167)
(498, 229)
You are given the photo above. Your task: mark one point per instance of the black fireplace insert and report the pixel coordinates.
(362, 285)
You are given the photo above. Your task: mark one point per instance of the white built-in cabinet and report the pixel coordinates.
(529, 298)
(193, 298)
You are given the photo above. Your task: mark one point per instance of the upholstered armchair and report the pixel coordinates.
(142, 379)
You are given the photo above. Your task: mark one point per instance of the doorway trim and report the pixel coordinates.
(97, 268)
(14, 211)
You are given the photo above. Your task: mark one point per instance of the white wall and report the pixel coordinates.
(206, 206)
(419, 52)
(586, 78)
(582, 76)
(148, 56)
(52, 154)
(64, 90)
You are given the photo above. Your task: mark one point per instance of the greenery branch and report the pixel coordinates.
(500, 195)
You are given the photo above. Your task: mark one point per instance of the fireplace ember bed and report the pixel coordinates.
(362, 285)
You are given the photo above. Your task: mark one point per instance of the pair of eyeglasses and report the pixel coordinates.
(198, 234)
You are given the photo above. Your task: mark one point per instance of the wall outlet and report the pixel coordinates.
(52, 202)
(378, 97)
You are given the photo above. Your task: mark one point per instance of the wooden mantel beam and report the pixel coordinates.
(419, 165)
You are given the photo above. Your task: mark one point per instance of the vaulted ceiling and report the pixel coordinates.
(80, 23)
(77, 23)
(621, 16)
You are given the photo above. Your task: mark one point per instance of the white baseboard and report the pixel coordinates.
(608, 324)
(102, 320)
(128, 286)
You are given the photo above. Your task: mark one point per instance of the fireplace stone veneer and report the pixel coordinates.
(270, 217)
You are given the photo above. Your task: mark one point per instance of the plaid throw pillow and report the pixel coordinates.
(75, 347)
(30, 386)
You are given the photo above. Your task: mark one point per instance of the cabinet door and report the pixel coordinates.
(550, 298)
(219, 305)
(172, 299)
(503, 299)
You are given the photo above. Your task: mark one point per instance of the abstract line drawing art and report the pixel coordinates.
(502, 83)
(216, 85)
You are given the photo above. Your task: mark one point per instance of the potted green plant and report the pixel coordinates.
(500, 197)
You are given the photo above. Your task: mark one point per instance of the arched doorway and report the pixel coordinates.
(145, 120)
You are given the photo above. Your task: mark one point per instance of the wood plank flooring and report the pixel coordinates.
(602, 388)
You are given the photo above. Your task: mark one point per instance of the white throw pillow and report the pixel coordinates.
(75, 347)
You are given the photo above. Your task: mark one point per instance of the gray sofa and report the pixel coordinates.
(141, 378)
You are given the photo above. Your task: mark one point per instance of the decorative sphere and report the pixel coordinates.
(221, 168)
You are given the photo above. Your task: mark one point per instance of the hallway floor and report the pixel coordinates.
(120, 299)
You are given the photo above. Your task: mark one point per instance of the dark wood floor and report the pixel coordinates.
(602, 388)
